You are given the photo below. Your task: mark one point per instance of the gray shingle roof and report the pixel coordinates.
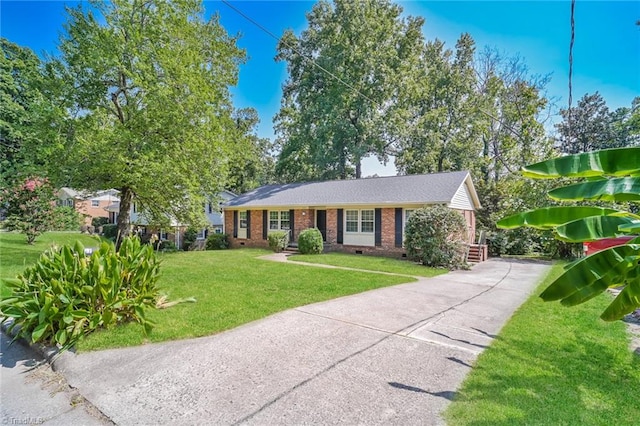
(410, 189)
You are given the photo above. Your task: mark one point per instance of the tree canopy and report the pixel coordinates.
(146, 85)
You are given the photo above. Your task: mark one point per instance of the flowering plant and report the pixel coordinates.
(29, 207)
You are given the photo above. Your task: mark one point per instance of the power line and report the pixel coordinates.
(248, 18)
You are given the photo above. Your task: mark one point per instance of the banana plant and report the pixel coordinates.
(611, 175)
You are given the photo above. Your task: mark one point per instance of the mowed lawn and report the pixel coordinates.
(553, 365)
(370, 263)
(231, 288)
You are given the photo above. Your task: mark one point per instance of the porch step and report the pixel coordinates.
(477, 253)
(291, 248)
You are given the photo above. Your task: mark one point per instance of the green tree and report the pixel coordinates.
(252, 163)
(148, 83)
(444, 120)
(611, 175)
(345, 71)
(23, 110)
(29, 207)
(586, 127)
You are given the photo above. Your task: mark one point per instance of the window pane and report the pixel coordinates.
(407, 214)
(273, 216)
(352, 221)
(367, 221)
(367, 215)
(273, 224)
(243, 219)
(284, 215)
(285, 225)
(95, 203)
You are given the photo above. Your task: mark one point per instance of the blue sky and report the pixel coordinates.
(606, 51)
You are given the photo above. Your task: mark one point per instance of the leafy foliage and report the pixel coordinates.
(30, 207)
(99, 221)
(66, 219)
(327, 124)
(613, 267)
(436, 236)
(217, 242)
(110, 231)
(167, 245)
(67, 295)
(278, 240)
(310, 241)
(189, 237)
(152, 81)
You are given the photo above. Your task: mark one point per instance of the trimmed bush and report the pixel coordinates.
(217, 242)
(437, 236)
(167, 245)
(110, 231)
(66, 219)
(67, 294)
(190, 236)
(278, 240)
(97, 222)
(310, 241)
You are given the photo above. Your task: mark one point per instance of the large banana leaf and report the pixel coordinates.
(608, 162)
(592, 228)
(631, 228)
(619, 189)
(593, 274)
(550, 217)
(626, 302)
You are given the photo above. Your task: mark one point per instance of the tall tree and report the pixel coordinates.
(149, 84)
(444, 120)
(344, 74)
(251, 165)
(586, 126)
(23, 110)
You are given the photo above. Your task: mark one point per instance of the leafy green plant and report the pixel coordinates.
(190, 236)
(278, 240)
(96, 222)
(29, 207)
(611, 175)
(66, 219)
(110, 231)
(67, 294)
(167, 245)
(436, 236)
(310, 241)
(217, 242)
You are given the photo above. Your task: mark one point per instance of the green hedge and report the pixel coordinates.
(310, 241)
(217, 242)
(278, 240)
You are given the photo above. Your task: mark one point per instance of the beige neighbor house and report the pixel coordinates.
(89, 205)
(175, 231)
(354, 216)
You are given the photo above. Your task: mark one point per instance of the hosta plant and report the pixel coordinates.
(68, 294)
(612, 176)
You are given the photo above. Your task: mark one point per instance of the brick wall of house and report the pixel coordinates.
(85, 208)
(302, 219)
(332, 226)
(255, 237)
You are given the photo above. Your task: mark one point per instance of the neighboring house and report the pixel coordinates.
(355, 216)
(89, 205)
(175, 231)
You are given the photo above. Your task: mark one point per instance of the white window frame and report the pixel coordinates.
(201, 235)
(162, 234)
(242, 219)
(95, 203)
(359, 220)
(277, 218)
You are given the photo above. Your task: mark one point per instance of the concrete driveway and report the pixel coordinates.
(390, 356)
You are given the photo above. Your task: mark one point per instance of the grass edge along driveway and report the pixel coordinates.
(232, 287)
(553, 365)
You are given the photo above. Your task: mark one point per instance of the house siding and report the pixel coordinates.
(461, 200)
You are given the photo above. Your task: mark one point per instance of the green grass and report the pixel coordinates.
(232, 287)
(553, 365)
(16, 254)
(370, 263)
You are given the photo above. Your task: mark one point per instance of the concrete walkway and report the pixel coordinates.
(390, 356)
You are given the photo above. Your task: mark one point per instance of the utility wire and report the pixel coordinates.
(239, 12)
(573, 36)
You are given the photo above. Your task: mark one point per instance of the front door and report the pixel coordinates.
(321, 223)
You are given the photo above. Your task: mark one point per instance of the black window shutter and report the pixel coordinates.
(398, 227)
(265, 224)
(235, 224)
(340, 238)
(206, 232)
(378, 227)
(248, 224)
(291, 223)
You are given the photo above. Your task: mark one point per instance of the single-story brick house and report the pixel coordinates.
(355, 216)
(89, 205)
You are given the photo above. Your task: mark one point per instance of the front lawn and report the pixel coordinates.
(232, 287)
(15, 253)
(370, 263)
(553, 365)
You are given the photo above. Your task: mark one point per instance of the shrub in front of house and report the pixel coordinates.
(167, 246)
(217, 242)
(310, 241)
(437, 236)
(68, 294)
(278, 240)
(110, 231)
(190, 236)
(66, 219)
(97, 222)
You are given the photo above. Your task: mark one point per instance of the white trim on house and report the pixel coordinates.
(359, 227)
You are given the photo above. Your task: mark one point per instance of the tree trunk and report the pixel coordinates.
(124, 216)
(358, 169)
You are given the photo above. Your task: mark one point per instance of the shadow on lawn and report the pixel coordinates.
(583, 377)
